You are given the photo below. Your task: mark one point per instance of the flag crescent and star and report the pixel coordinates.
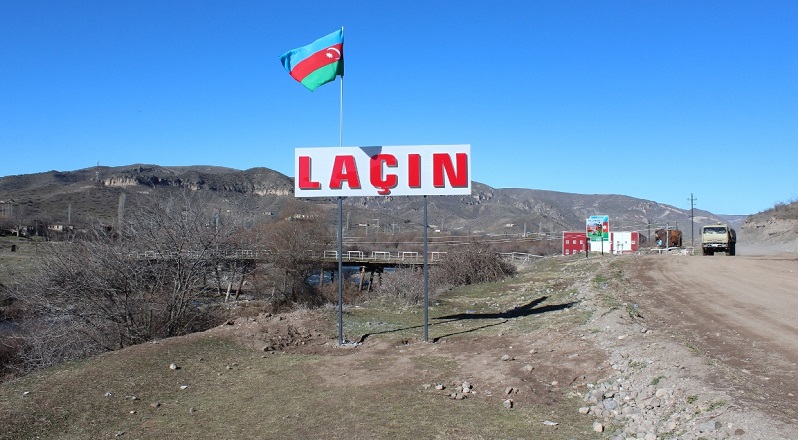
(317, 63)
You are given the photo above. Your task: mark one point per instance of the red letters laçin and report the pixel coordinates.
(414, 170)
(442, 163)
(344, 168)
(383, 182)
(303, 177)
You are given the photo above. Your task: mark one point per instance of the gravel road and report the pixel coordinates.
(740, 314)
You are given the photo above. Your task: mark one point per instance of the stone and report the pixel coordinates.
(506, 358)
(629, 410)
(663, 393)
(173, 366)
(584, 410)
(598, 427)
(609, 404)
(654, 403)
(508, 403)
(712, 425)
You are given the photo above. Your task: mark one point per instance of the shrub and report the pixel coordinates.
(472, 264)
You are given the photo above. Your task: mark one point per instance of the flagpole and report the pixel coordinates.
(340, 221)
(341, 108)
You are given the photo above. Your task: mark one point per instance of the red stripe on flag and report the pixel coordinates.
(317, 60)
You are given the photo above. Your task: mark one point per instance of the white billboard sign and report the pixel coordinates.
(383, 171)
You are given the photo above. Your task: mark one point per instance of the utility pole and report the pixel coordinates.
(692, 220)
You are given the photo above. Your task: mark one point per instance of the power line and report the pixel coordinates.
(692, 219)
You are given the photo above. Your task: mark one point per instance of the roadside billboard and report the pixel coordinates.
(598, 228)
(383, 171)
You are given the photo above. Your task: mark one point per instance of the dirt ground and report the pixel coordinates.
(716, 326)
(742, 313)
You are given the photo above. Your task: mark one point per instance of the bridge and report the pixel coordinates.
(374, 262)
(352, 257)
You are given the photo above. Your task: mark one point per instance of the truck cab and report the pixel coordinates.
(718, 238)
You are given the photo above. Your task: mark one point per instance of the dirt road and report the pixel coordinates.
(740, 312)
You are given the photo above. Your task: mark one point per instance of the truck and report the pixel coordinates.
(718, 238)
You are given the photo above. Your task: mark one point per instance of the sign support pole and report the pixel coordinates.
(340, 273)
(426, 277)
(340, 223)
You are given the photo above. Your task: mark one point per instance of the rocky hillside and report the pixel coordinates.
(776, 228)
(74, 196)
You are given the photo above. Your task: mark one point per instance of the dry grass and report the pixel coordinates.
(235, 392)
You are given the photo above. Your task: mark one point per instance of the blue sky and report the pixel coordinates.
(590, 97)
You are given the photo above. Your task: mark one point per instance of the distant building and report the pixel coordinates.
(6, 208)
(573, 242)
(620, 243)
(624, 242)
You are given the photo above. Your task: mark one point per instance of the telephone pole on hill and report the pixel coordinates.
(692, 219)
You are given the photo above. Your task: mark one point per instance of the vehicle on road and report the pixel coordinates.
(718, 238)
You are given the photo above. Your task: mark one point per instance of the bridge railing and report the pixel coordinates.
(397, 257)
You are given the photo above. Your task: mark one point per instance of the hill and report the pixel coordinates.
(75, 196)
(775, 228)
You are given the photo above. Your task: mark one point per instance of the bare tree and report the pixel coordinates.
(295, 246)
(406, 285)
(121, 287)
(472, 264)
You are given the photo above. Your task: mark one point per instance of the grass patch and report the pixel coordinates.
(439, 364)
(609, 302)
(514, 305)
(233, 392)
(599, 279)
(692, 347)
(656, 380)
(715, 404)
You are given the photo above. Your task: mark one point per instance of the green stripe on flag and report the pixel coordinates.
(322, 75)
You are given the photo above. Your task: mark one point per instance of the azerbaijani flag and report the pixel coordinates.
(317, 63)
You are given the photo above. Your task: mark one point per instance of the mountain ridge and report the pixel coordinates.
(261, 191)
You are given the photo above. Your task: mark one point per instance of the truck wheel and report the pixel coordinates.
(732, 250)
